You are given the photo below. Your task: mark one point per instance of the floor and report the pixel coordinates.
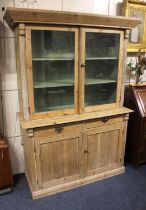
(122, 192)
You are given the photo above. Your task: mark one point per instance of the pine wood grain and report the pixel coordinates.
(13, 16)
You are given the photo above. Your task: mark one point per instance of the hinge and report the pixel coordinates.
(29, 109)
(37, 182)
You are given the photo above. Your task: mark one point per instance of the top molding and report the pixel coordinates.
(14, 16)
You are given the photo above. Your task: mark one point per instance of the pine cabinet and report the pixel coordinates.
(70, 69)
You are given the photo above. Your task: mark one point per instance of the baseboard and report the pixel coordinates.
(74, 184)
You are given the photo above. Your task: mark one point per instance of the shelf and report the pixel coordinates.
(44, 109)
(97, 103)
(54, 59)
(98, 81)
(101, 58)
(56, 83)
(70, 83)
(71, 58)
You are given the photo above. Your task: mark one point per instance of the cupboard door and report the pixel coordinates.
(101, 52)
(52, 61)
(58, 159)
(103, 149)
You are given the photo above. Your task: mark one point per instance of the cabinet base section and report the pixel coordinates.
(70, 185)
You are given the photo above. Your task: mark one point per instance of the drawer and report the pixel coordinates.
(89, 124)
(58, 129)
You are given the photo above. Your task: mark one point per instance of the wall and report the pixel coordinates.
(9, 88)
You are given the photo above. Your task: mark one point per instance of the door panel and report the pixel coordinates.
(52, 61)
(59, 159)
(101, 69)
(103, 149)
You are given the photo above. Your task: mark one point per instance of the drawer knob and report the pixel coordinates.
(85, 152)
(58, 128)
(104, 119)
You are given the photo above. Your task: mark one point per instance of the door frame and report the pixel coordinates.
(82, 108)
(36, 115)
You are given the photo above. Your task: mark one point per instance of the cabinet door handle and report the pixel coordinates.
(83, 65)
(104, 119)
(59, 128)
(86, 152)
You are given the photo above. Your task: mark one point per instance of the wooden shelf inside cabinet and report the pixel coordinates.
(68, 82)
(101, 58)
(71, 96)
(98, 81)
(51, 84)
(53, 108)
(53, 59)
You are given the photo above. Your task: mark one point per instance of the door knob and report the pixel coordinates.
(85, 152)
(104, 119)
(83, 65)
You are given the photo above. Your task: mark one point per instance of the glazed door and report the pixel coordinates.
(52, 62)
(103, 149)
(58, 159)
(100, 69)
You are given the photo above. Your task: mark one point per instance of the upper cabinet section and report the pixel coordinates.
(72, 62)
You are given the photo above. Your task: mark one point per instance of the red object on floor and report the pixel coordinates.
(6, 178)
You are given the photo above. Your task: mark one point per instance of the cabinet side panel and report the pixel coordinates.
(122, 142)
(124, 65)
(30, 163)
(21, 71)
(121, 81)
(18, 70)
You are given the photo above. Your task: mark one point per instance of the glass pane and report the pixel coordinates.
(53, 70)
(102, 57)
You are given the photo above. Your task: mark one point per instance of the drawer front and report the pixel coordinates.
(58, 129)
(90, 124)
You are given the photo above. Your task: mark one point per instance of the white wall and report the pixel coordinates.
(9, 86)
